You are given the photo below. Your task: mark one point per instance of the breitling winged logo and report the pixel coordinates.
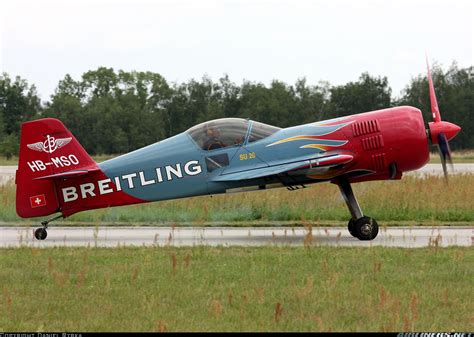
(50, 145)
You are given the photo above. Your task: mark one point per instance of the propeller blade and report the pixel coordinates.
(440, 132)
(434, 103)
(445, 153)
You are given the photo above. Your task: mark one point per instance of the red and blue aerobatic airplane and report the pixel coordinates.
(56, 175)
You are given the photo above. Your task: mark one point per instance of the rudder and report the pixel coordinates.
(47, 148)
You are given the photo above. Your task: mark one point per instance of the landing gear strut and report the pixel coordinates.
(359, 226)
(41, 233)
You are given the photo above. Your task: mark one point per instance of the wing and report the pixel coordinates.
(63, 141)
(36, 146)
(308, 166)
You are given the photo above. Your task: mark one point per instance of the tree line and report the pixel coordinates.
(116, 111)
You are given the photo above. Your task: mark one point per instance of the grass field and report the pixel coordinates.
(237, 289)
(411, 200)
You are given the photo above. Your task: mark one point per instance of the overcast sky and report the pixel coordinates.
(333, 40)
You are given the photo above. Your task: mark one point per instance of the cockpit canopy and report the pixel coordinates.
(226, 132)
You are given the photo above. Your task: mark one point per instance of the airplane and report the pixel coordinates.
(56, 175)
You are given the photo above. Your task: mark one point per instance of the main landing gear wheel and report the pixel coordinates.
(359, 226)
(40, 233)
(350, 227)
(365, 228)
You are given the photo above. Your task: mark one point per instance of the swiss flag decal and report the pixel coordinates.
(38, 201)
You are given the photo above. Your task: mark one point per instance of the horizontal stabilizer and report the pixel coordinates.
(68, 174)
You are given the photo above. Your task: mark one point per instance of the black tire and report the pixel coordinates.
(350, 227)
(366, 228)
(40, 233)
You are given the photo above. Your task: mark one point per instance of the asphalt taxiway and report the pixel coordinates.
(108, 236)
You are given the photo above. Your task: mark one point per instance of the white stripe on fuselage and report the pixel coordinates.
(132, 180)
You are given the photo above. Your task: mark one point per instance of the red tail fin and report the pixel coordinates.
(47, 148)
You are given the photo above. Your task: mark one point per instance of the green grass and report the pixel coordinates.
(237, 289)
(411, 200)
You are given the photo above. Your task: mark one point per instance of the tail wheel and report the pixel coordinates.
(40, 233)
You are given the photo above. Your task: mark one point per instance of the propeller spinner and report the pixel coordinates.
(440, 132)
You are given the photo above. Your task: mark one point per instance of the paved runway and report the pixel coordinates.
(7, 173)
(408, 237)
(437, 169)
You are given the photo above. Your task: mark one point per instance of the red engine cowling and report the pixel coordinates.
(388, 142)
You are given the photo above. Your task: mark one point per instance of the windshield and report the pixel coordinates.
(260, 131)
